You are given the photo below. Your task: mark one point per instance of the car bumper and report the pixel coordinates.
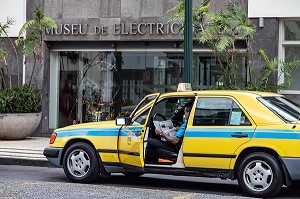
(54, 155)
(293, 167)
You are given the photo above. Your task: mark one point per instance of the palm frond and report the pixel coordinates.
(28, 46)
(236, 12)
(291, 66)
(215, 17)
(47, 22)
(178, 8)
(4, 30)
(224, 42)
(287, 79)
(179, 17)
(208, 34)
(246, 30)
(204, 6)
(271, 66)
(262, 53)
(38, 14)
(3, 53)
(287, 69)
(29, 24)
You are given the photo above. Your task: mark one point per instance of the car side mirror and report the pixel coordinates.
(123, 121)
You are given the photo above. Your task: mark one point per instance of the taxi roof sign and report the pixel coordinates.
(184, 87)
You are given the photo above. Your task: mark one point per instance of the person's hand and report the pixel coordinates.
(157, 131)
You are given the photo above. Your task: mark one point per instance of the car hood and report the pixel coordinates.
(93, 125)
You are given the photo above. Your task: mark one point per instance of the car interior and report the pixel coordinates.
(166, 109)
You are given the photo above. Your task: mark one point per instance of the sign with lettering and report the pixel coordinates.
(117, 29)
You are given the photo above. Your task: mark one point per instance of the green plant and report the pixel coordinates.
(35, 30)
(220, 31)
(22, 99)
(262, 82)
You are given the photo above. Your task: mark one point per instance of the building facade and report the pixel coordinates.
(105, 56)
(278, 28)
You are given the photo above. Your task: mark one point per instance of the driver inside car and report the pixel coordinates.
(172, 143)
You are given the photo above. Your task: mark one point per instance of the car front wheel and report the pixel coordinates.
(80, 163)
(260, 175)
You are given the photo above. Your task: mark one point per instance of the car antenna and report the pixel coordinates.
(296, 122)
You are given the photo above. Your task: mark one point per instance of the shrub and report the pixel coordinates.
(24, 99)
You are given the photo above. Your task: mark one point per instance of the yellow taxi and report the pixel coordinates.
(251, 137)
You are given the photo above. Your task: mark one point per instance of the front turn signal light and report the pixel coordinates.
(52, 138)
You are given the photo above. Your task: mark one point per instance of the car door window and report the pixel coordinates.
(219, 112)
(238, 117)
(141, 118)
(171, 108)
(147, 100)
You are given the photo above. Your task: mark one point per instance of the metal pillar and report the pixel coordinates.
(188, 42)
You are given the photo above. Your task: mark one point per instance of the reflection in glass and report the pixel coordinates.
(291, 30)
(99, 85)
(291, 54)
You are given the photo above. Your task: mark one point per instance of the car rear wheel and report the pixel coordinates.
(260, 175)
(80, 163)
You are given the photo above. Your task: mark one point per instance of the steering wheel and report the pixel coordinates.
(160, 115)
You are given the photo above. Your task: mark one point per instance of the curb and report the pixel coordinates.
(26, 162)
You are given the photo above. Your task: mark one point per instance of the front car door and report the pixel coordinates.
(130, 143)
(216, 128)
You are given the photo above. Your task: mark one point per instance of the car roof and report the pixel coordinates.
(224, 92)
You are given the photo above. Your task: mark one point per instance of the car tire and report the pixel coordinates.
(260, 175)
(81, 163)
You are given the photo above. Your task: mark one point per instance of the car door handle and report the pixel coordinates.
(239, 135)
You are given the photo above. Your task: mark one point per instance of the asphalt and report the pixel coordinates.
(26, 152)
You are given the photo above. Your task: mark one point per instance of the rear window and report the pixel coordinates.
(286, 109)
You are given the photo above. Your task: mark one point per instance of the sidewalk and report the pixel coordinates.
(27, 152)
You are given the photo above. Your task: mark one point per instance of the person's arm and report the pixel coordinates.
(173, 140)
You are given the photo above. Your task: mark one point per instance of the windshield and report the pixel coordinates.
(283, 107)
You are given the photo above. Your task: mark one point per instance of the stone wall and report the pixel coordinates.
(12, 69)
(105, 13)
(267, 39)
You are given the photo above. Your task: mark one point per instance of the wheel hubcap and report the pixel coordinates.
(78, 163)
(258, 175)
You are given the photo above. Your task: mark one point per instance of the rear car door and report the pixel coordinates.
(216, 128)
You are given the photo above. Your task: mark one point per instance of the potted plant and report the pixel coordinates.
(20, 112)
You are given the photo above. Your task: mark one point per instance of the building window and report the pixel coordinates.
(101, 85)
(289, 50)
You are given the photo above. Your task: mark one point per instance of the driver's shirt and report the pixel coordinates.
(181, 130)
